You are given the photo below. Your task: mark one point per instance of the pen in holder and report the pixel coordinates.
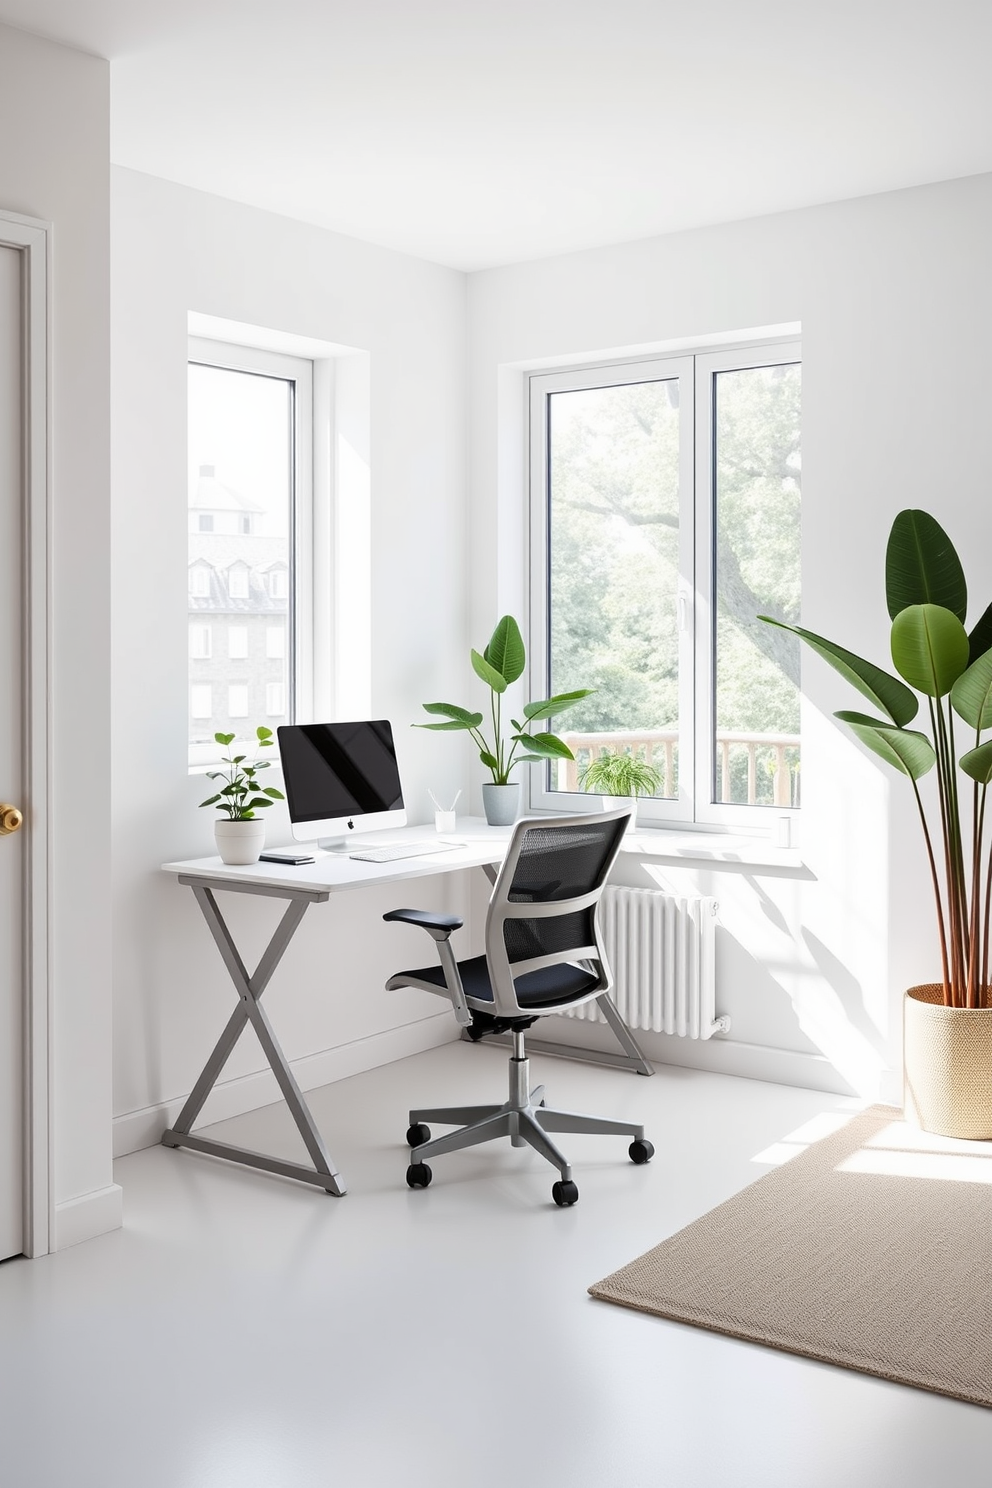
(444, 818)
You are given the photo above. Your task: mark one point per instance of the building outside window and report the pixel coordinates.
(237, 642)
(250, 446)
(201, 700)
(275, 642)
(200, 642)
(237, 700)
(275, 699)
(665, 500)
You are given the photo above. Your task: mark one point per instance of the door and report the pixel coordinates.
(12, 844)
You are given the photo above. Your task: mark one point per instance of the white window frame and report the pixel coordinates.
(696, 580)
(306, 567)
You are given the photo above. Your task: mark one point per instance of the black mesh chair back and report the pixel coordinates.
(543, 908)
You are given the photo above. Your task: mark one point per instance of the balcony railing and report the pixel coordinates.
(744, 758)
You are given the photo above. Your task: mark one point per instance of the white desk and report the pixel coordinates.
(313, 883)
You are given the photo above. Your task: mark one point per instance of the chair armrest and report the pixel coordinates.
(440, 926)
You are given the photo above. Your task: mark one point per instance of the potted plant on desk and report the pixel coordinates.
(501, 664)
(239, 834)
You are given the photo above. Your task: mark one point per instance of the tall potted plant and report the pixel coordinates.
(947, 1024)
(499, 665)
(239, 834)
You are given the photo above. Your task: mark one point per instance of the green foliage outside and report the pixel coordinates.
(614, 540)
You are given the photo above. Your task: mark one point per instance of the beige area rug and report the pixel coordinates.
(871, 1249)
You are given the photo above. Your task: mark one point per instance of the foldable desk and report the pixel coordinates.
(313, 883)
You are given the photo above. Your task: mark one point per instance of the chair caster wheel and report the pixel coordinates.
(565, 1194)
(417, 1135)
(641, 1150)
(419, 1175)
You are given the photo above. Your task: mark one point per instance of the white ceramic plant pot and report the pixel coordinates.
(501, 803)
(619, 803)
(239, 841)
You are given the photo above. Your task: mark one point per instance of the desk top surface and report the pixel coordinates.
(332, 872)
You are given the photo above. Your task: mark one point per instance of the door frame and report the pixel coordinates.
(33, 239)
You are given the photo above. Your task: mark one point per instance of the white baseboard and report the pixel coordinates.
(719, 1055)
(143, 1128)
(89, 1215)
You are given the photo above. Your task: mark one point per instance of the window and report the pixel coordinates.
(200, 701)
(237, 642)
(275, 699)
(199, 642)
(275, 642)
(199, 581)
(250, 518)
(237, 581)
(237, 700)
(665, 498)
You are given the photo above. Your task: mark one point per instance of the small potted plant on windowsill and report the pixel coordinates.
(239, 834)
(618, 777)
(501, 664)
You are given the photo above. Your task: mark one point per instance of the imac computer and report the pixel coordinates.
(341, 779)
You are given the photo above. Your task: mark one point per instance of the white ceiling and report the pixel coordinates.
(481, 132)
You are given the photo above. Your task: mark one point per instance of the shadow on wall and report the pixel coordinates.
(834, 1016)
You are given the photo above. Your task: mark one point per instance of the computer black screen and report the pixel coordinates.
(336, 771)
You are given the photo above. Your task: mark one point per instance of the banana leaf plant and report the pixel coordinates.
(501, 664)
(927, 599)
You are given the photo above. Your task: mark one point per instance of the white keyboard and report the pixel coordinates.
(402, 850)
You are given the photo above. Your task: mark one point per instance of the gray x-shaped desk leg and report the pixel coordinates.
(249, 1010)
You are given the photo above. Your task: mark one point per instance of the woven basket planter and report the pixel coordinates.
(947, 1065)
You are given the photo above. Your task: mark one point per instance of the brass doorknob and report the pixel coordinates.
(10, 819)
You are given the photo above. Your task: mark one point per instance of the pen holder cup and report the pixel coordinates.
(444, 821)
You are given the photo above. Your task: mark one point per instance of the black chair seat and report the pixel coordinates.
(552, 987)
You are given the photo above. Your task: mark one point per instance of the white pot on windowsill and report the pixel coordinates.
(239, 842)
(619, 803)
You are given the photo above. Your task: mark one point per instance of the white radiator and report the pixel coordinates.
(662, 951)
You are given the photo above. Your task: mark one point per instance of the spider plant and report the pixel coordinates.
(619, 774)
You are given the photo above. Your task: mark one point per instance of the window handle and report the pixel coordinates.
(683, 613)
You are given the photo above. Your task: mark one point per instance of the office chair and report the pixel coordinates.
(544, 953)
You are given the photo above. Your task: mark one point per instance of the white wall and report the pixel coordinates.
(893, 295)
(54, 153)
(176, 251)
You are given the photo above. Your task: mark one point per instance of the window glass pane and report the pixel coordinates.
(200, 704)
(613, 545)
(757, 505)
(275, 699)
(275, 642)
(199, 641)
(240, 526)
(237, 700)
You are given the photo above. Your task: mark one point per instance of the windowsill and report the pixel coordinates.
(704, 848)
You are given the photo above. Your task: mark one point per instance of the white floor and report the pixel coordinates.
(244, 1331)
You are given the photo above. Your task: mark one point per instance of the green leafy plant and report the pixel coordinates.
(611, 774)
(501, 664)
(927, 599)
(241, 795)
